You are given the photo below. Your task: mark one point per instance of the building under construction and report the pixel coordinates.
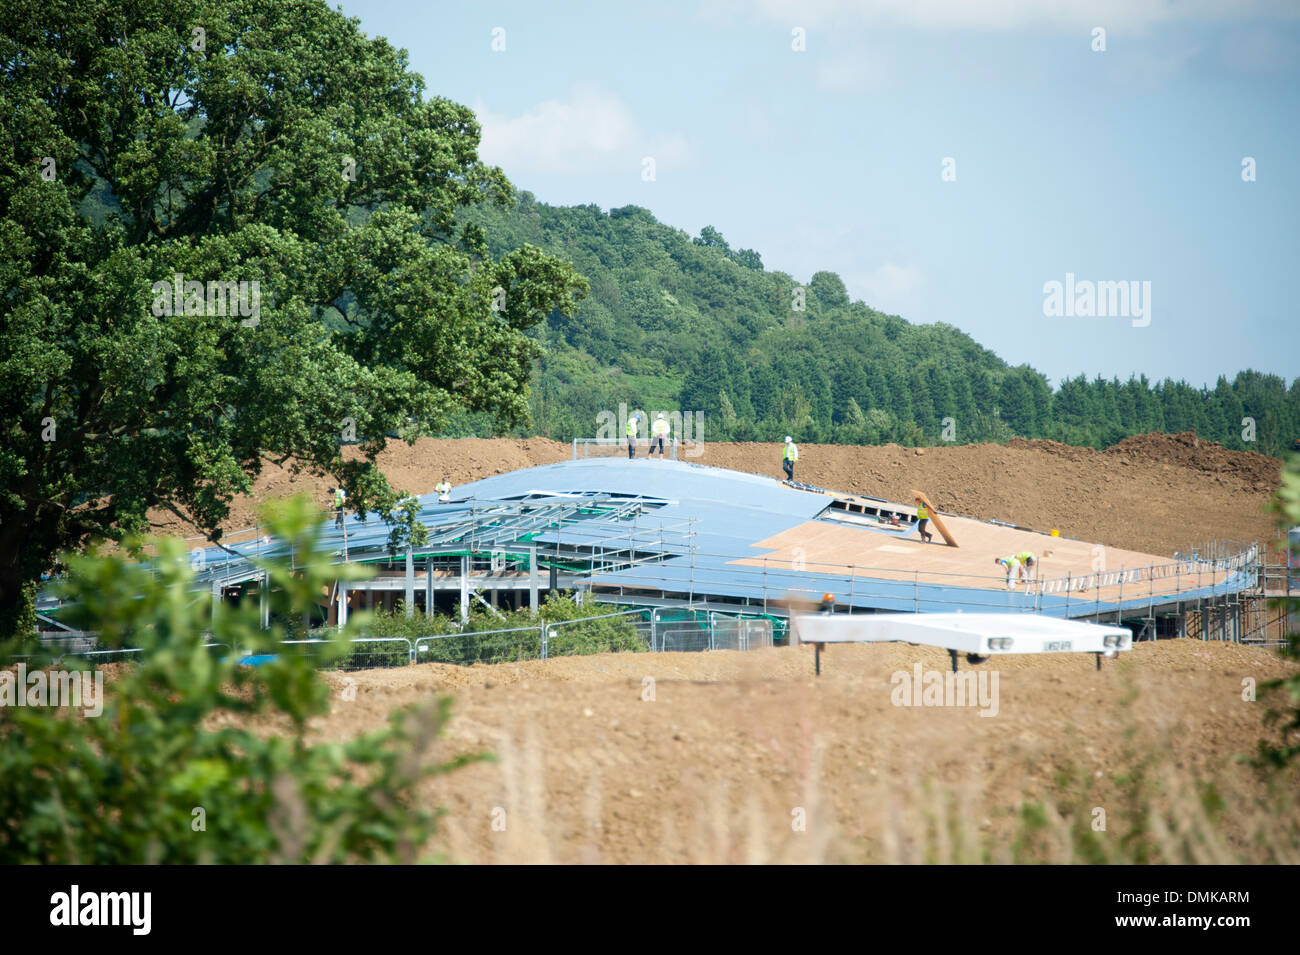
(672, 534)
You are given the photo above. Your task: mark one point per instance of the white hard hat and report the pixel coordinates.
(661, 414)
(787, 439)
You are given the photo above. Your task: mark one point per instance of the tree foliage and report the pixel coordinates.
(1284, 746)
(233, 141)
(676, 322)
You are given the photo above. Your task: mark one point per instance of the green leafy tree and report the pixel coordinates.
(726, 416)
(711, 238)
(829, 289)
(407, 530)
(672, 311)
(233, 141)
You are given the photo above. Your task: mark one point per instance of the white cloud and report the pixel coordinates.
(890, 288)
(997, 15)
(592, 131)
(858, 73)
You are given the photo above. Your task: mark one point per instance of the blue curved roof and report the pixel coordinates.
(681, 528)
(728, 504)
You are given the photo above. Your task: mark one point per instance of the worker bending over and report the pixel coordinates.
(791, 455)
(1018, 566)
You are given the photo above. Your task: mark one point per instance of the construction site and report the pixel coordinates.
(700, 749)
(667, 534)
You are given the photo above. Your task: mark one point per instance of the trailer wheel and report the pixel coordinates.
(974, 659)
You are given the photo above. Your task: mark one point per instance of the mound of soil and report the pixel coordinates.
(1156, 493)
(1186, 450)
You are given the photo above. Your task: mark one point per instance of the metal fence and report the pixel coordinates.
(685, 630)
(54, 652)
(777, 582)
(627, 631)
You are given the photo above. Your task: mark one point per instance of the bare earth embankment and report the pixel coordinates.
(734, 757)
(1156, 493)
(720, 755)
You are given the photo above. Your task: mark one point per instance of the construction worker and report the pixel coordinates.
(443, 488)
(1018, 566)
(791, 455)
(659, 432)
(340, 499)
(922, 518)
(631, 435)
(1012, 566)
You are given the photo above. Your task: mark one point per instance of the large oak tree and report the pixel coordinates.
(266, 141)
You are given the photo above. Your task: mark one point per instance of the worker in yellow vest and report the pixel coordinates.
(1018, 566)
(1011, 565)
(631, 435)
(790, 456)
(922, 518)
(659, 432)
(340, 498)
(443, 488)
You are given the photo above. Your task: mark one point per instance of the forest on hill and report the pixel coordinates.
(681, 323)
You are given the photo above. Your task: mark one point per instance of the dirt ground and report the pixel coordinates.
(1154, 493)
(745, 757)
(719, 757)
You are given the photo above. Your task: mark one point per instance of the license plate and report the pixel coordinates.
(1056, 646)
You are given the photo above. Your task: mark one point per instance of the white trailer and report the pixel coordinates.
(978, 635)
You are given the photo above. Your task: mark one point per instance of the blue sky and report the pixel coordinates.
(1115, 165)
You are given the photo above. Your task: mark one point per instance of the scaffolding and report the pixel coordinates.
(626, 548)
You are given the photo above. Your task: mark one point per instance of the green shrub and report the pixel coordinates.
(464, 646)
(1285, 723)
(164, 775)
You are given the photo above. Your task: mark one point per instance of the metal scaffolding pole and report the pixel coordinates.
(264, 600)
(410, 582)
(428, 586)
(464, 589)
(532, 577)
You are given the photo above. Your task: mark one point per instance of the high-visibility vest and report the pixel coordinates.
(442, 488)
(631, 427)
(339, 496)
(1025, 556)
(791, 452)
(1012, 562)
(662, 427)
(922, 512)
